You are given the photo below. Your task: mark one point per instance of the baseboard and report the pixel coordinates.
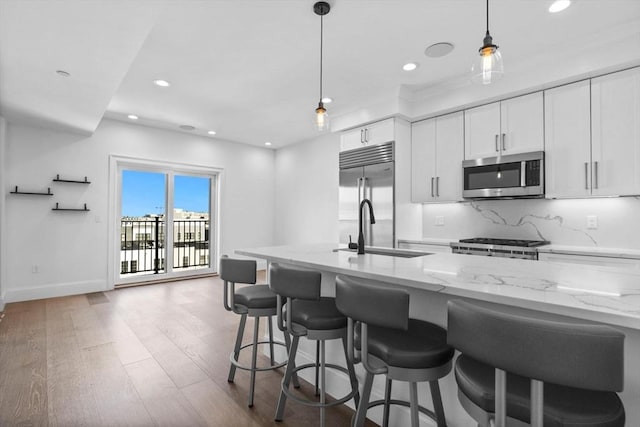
(54, 290)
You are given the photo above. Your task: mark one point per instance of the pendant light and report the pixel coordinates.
(321, 8)
(488, 66)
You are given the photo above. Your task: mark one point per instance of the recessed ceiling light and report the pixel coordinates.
(63, 73)
(187, 127)
(212, 132)
(410, 66)
(267, 143)
(559, 6)
(437, 50)
(162, 83)
(132, 117)
(327, 100)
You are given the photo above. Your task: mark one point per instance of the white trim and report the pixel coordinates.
(3, 222)
(117, 163)
(1, 304)
(54, 290)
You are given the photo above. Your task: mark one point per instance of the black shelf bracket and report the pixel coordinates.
(33, 193)
(84, 209)
(72, 181)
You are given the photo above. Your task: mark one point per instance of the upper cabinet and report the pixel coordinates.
(615, 133)
(436, 159)
(507, 127)
(371, 134)
(592, 137)
(567, 118)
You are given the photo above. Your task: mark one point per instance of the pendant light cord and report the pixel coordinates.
(321, 38)
(487, 16)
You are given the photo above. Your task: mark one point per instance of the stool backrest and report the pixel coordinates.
(291, 282)
(371, 304)
(577, 355)
(238, 270)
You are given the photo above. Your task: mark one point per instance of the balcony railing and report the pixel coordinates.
(142, 245)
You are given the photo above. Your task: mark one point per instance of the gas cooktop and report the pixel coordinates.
(505, 242)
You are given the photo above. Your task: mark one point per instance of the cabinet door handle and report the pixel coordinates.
(586, 175)
(437, 186)
(432, 195)
(366, 135)
(595, 174)
(504, 144)
(361, 136)
(497, 148)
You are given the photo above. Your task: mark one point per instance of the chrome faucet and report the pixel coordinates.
(361, 233)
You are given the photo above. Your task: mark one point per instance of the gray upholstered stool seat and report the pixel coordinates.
(523, 368)
(258, 296)
(307, 314)
(389, 342)
(563, 406)
(322, 314)
(248, 301)
(422, 345)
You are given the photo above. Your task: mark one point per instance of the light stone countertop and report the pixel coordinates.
(584, 292)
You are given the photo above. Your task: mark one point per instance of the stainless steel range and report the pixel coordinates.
(506, 248)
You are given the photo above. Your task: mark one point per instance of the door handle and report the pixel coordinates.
(595, 174)
(437, 186)
(504, 144)
(432, 195)
(366, 135)
(361, 136)
(497, 148)
(586, 175)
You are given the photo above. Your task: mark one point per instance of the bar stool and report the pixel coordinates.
(307, 314)
(391, 343)
(248, 301)
(521, 369)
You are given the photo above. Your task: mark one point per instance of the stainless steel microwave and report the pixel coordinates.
(514, 175)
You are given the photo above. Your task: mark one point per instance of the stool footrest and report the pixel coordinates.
(422, 409)
(248, 368)
(314, 403)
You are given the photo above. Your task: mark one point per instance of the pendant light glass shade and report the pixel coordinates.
(488, 66)
(321, 118)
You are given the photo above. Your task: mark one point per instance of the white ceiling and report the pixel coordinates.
(249, 69)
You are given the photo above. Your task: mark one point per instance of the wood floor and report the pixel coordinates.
(141, 356)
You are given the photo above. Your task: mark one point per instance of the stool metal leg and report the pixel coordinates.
(236, 350)
(387, 399)
(271, 339)
(413, 389)
(317, 364)
(323, 397)
(352, 373)
(287, 341)
(287, 378)
(254, 356)
(361, 413)
(437, 403)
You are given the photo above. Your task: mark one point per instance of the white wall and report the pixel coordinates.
(70, 249)
(562, 222)
(3, 166)
(306, 182)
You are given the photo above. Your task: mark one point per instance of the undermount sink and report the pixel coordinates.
(400, 253)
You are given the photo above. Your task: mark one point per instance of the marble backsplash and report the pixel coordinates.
(562, 222)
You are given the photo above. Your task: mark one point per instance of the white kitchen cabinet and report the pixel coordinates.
(567, 118)
(511, 126)
(371, 134)
(615, 133)
(436, 159)
(598, 261)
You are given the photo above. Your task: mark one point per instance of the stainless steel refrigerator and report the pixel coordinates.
(367, 172)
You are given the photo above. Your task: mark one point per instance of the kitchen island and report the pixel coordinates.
(553, 290)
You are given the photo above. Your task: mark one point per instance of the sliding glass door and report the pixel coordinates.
(165, 222)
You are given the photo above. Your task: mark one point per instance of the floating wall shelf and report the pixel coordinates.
(84, 209)
(72, 181)
(32, 193)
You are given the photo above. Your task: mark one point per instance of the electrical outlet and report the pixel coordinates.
(439, 220)
(592, 222)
